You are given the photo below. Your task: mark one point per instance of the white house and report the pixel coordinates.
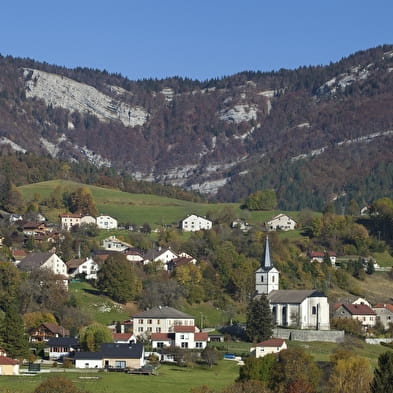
(106, 222)
(60, 347)
(187, 337)
(114, 244)
(87, 220)
(195, 223)
(163, 255)
(160, 320)
(8, 366)
(273, 345)
(281, 222)
(86, 266)
(319, 256)
(43, 260)
(304, 309)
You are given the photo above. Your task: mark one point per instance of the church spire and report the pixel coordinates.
(267, 262)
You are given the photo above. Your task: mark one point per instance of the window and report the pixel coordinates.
(314, 310)
(158, 321)
(198, 344)
(261, 278)
(149, 329)
(184, 345)
(149, 321)
(140, 321)
(120, 364)
(160, 345)
(140, 329)
(273, 277)
(182, 337)
(158, 330)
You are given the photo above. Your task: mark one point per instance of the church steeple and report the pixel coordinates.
(267, 276)
(267, 262)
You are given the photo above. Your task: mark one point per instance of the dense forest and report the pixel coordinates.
(314, 134)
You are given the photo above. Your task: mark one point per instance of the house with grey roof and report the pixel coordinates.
(46, 260)
(304, 309)
(113, 356)
(56, 348)
(160, 320)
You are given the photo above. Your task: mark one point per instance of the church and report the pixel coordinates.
(302, 309)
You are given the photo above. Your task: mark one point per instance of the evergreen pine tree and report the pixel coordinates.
(259, 325)
(12, 334)
(383, 374)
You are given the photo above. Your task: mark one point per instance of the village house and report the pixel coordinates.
(57, 348)
(160, 320)
(163, 255)
(281, 222)
(134, 255)
(68, 220)
(303, 309)
(124, 338)
(8, 366)
(195, 223)
(45, 260)
(34, 228)
(83, 266)
(113, 356)
(273, 345)
(319, 256)
(114, 244)
(361, 312)
(87, 220)
(106, 222)
(186, 337)
(46, 331)
(384, 314)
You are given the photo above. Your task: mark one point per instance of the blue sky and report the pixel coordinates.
(196, 39)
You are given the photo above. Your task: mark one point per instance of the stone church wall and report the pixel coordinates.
(309, 335)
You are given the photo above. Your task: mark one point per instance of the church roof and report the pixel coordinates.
(267, 262)
(293, 296)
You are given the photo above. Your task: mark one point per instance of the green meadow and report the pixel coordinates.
(143, 208)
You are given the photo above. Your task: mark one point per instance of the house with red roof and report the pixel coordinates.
(361, 312)
(8, 366)
(273, 345)
(186, 337)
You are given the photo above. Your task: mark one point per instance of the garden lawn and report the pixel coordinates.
(171, 379)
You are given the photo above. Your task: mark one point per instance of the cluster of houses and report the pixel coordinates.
(165, 258)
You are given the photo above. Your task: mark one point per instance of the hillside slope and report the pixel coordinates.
(313, 134)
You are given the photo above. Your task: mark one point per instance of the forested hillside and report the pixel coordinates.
(313, 134)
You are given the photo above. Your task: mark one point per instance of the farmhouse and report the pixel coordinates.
(160, 320)
(195, 223)
(362, 312)
(304, 309)
(281, 222)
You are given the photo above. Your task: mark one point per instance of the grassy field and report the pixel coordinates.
(141, 208)
(98, 307)
(171, 379)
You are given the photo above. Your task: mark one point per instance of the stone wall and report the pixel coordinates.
(309, 335)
